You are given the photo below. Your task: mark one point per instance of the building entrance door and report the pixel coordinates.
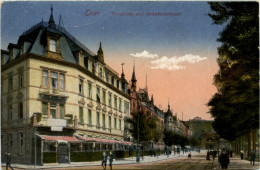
(63, 153)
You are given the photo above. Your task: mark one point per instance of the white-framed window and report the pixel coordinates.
(98, 119)
(81, 86)
(45, 78)
(53, 110)
(109, 122)
(120, 104)
(53, 45)
(115, 102)
(54, 80)
(103, 120)
(89, 117)
(62, 81)
(104, 97)
(115, 125)
(98, 95)
(120, 124)
(110, 100)
(81, 116)
(90, 90)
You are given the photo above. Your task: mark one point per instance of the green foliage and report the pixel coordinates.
(195, 142)
(49, 157)
(146, 125)
(235, 106)
(172, 138)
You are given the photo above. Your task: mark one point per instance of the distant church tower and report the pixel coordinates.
(134, 106)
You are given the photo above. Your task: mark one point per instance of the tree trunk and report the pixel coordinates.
(249, 143)
(254, 140)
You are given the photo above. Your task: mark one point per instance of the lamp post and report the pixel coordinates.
(138, 146)
(35, 137)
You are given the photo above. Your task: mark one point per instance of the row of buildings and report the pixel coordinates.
(60, 97)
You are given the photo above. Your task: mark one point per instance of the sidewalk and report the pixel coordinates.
(237, 163)
(131, 160)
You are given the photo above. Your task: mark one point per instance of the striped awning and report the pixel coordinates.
(59, 138)
(108, 141)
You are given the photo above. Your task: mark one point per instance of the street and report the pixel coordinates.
(197, 162)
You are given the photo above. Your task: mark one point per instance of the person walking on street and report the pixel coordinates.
(224, 160)
(104, 160)
(111, 157)
(208, 156)
(8, 160)
(252, 158)
(242, 154)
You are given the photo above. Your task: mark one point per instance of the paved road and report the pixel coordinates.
(197, 162)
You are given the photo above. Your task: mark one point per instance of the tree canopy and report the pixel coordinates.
(146, 125)
(235, 107)
(172, 138)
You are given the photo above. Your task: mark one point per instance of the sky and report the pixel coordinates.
(173, 43)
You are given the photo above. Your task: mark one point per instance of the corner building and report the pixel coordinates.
(59, 98)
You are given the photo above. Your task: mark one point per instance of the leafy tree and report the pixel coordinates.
(195, 142)
(235, 106)
(173, 138)
(145, 124)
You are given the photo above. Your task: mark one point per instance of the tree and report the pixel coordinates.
(173, 138)
(235, 106)
(194, 142)
(145, 124)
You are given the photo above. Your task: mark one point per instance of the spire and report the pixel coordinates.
(169, 109)
(133, 75)
(133, 86)
(100, 53)
(123, 75)
(51, 20)
(146, 87)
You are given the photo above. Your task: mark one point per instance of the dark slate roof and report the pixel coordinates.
(67, 40)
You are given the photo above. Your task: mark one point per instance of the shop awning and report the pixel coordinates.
(109, 141)
(59, 138)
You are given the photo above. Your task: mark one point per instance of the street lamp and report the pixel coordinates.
(35, 137)
(138, 146)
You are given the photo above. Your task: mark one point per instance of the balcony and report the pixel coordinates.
(53, 94)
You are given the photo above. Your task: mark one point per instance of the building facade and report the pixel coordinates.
(140, 102)
(57, 95)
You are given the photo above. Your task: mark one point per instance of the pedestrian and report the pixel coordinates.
(224, 160)
(8, 160)
(252, 158)
(242, 154)
(214, 154)
(104, 160)
(231, 153)
(208, 156)
(111, 157)
(189, 155)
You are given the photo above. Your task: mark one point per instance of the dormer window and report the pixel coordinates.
(53, 45)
